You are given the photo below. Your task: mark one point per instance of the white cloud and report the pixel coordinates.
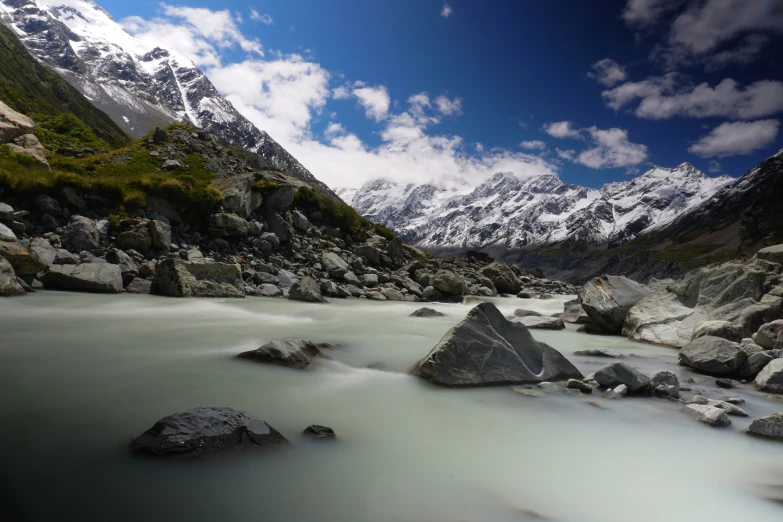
(533, 145)
(258, 17)
(446, 10)
(333, 130)
(567, 154)
(744, 53)
(375, 101)
(645, 12)
(663, 97)
(714, 167)
(448, 107)
(561, 129)
(611, 149)
(479, 147)
(341, 93)
(216, 26)
(735, 138)
(607, 72)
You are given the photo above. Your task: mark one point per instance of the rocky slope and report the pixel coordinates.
(139, 86)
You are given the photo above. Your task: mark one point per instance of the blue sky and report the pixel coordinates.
(676, 80)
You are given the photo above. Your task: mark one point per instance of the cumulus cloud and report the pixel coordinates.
(607, 72)
(566, 154)
(561, 129)
(666, 96)
(375, 101)
(533, 145)
(736, 138)
(645, 12)
(448, 107)
(258, 17)
(446, 10)
(714, 166)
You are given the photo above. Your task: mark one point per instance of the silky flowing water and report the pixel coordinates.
(81, 375)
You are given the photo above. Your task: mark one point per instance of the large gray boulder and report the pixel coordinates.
(9, 285)
(81, 234)
(723, 329)
(44, 250)
(335, 265)
(664, 383)
(226, 225)
(448, 283)
(291, 353)
(486, 349)
(13, 124)
(709, 415)
(24, 260)
(137, 238)
(741, 293)
(607, 300)
(771, 253)
(202, 431)
(770, 379)
(238, 194)
(576, 314)
(770, 427)
(307, 289)
(372, 254)
(281, 198)
(177, 278)
(770, 335)
(501, 275)
(713, 355)
(160, 233)
(87, 277)
(617, 373)
(541, 323)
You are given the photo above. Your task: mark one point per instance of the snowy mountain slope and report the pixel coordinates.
(138, 86)
(508, 213)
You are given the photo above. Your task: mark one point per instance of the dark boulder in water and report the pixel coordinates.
(317, 432)
(292, 353)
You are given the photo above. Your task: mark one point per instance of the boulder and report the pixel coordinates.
(426, 312)
(771, 253)
(617, 373)
(727, 407)
(723, 329)
(542, 323)
(73, 199)
(618, 392)
(269, 290)
(204, 430)
(226, 225)
(448, 283)
(396, 252)
(281, 198)
(372, 254)
(292, 353)
(526, 313)
(9, 284)
(81, 234)
(710, 415)
(392, 294)
(335, 265)
(576, 314)
(503, 277)
(770, 427)
(139, 286)
(160, 233)
(756, 359)
(608, 299)
(712, 355)
(352, 279)
(287, 278)
(87, 277)
(770, 379)
(321, 433)
(13, 124)
(138, 239)
(29, 145)
(48, 205)
(486, 349)
(307, 289)
(164, 208)
(580, 385)
(276, 224)
(7, 232)
(600, 352)
(664, 383)
(300, 221)
(770, 335)
(177, 278)
(23, 260)
(44, 250)
(238, 195)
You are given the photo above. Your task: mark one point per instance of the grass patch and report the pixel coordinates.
(265, 187)
(692, 256)
(336, 211)
(384, 232)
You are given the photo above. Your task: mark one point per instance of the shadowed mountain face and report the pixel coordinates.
(138, 86)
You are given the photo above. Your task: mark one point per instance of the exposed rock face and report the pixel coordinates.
(709, 415)
(713, 355)
(9, 286)
(448, 283)
(29, 145)
(13, 124)
(238, 194)
(198, 279)
(87, 277)
(224, 225)
(743, 294)
(22, 259)
(504, 279)
(334, 264)
(770, 379)
(618, 373)
(542, 323)
(770, 427)
(292, 353)
(756, 359)
(576, 314)
(161, 235)
(44, 250)
(81, 234)
(307, 289)
(486, 349)
(608, 299)
(138, 239)
(202, 431)
(281, 198)
(723, 329)
(773, 253)
(770, 335)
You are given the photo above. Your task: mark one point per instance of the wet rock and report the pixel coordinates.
(526, 313)
(291, 353)
(317, 432)
(203, 430)
(9, 284)
(665, 384)
(177, 278)
(582, 386)
(710, 415)
(308, 290)
(88, 277)
(269, 290)
(729, 408)
(757, 359)
(487, 349)
(725, 383)
(770, 427)
(576, 314)
(503, 277)
(23, 260)
(541, 323)
(600, 352)
(139, 286)
(770, 335)
(618, 392)
(713, 355)
(392, 295)
(81, 234)
(608, 299)
(426, 312)
(770, 379)
(723, 329)
(617, 373)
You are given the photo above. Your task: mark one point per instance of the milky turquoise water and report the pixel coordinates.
(81, 375)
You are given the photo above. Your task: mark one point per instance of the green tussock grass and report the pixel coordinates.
(384, 232)
(337, 212)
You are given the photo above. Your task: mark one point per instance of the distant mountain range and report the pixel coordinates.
(138, 86)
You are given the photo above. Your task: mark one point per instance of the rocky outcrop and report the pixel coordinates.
(723, 329)
(744, 294)
(178, 278)
(202, 431)
(486, 349)
(608, 299)
(29, 145)
(9, 285)
(291, 353)
(87, 277)
(22, 259)
(772, 253)
(770, 335)
(238, 195)
(713, 355)
(16, 131)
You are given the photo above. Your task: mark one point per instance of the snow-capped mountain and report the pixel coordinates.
(139, 86)
(507, 212)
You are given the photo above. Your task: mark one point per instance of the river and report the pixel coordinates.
(82, 374)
